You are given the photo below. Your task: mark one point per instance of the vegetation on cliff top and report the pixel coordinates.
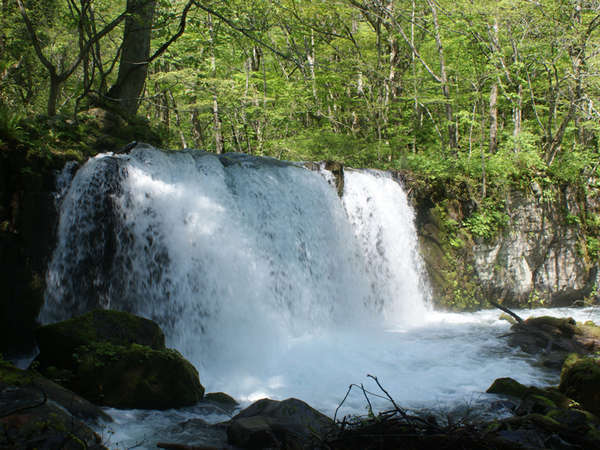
(469, 99)
(487, 92)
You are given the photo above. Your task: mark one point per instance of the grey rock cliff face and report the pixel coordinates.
(540, 257)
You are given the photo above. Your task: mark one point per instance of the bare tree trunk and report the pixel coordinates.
(518, 116)
(310, 56)
(494, 118)
(55, 83)
(133, 66)
(197, 132)
(178, 120)
(217, 126)
(452, 142)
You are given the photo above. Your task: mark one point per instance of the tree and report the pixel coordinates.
(135, 54)
(81, 12)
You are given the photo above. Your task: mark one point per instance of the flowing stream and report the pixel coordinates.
(270, 285)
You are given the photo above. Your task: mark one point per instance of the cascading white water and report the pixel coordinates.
(269, 284)
(237, 257)
(383, 223)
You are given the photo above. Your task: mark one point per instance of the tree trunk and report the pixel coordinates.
(217, 125)
(452, 142)
(55, 83)
(494, 118)
(133, 66)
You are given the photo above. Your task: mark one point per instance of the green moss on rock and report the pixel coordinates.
(58, 342)
(135, 376)
(580, 380)
(507, 386)
(117, 359)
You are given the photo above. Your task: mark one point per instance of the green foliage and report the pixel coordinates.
(488, 220)
(10, 125)
(535, 300)
(593, 247)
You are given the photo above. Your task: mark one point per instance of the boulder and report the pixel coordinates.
(288, 424)
(35, 413)
(69, 400)
(117, 359)
(135, 377)
(545, 418)
(554, 338)
(222, 401)
(507, 386)
(57, 342)
(580, 380)
(28, 421)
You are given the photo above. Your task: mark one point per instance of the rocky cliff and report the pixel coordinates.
(543, 251)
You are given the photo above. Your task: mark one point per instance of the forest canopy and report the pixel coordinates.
(490, 90)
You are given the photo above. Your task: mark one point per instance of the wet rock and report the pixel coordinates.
(580, 380)
(337, 170)
(135, 377)
(221, 401)
(507, 386)
(288, 424)
(117, 359)
(554, 338)
(545, 418)
(35, 413)
(57, 342)
(39, 424)
(70, 401)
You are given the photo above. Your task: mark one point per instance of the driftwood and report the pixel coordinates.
(506, 310)
(397, 428)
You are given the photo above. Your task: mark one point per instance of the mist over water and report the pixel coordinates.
(269, 283)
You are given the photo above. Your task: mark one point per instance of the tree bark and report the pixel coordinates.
(443, 78)
(217, 125)
(133, 66)
(494, 118)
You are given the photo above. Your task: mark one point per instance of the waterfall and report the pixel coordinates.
(234, 256)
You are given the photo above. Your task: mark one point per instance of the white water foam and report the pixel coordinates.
(239, 259)
(262, 279)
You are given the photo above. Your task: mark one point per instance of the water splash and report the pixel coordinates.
(233, 256)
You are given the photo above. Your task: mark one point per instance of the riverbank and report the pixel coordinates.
(373, 412)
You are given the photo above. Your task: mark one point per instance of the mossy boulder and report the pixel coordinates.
(11, 376)
(27, 421)
(135, 376)
(507, 386)
(37, 413)
(555, 338)
(57, 342)
(580, 380)
(117, 359)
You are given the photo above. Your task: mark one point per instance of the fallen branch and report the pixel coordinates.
(506, 310)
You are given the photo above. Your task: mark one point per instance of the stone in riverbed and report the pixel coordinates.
(288, 424)
(58, 341)
(507, 386)
(136, 377)
(222, 401)
(36, 413)
(580, 380)
(555, 338)
(70, 401)
(117, 359)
